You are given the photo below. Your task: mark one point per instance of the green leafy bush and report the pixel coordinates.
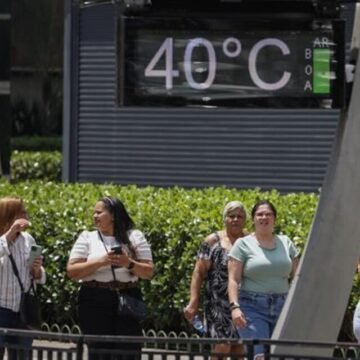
(36, 143)
(175, 221)
(28, 165)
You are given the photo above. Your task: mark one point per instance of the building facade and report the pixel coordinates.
(283, 149)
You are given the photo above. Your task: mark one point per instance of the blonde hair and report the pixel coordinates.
(10, 208)
(231, 206)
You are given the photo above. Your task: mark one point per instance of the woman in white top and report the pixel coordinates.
(94, 263)
(356, 317)
(16, 242)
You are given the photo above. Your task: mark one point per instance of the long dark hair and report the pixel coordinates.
(122, 220)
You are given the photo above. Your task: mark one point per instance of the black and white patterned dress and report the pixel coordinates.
(216, 303)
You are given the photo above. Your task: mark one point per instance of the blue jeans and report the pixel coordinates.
(261, 312)
(10, 319)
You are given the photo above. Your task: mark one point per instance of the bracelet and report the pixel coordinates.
(234, 305)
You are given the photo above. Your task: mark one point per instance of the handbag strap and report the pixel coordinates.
(102, 240)
(16, 271)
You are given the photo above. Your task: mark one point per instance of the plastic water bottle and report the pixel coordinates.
(198, 325)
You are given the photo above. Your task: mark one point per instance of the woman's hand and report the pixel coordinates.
(36, 267)
(190, 311)
(120, 260)
(238, 318)
(17, 226)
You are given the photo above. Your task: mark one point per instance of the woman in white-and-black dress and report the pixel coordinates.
(211, 263)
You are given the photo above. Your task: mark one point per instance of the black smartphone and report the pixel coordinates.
(117, 249)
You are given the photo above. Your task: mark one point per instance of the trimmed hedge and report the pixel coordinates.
(36, 143)
(175, 221)
(29, 165)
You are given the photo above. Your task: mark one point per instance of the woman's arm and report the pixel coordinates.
(294, 265)
(143, 269)
(135, 261)
(13, 232)
(79, 268)
(200, 270)
(235, 269)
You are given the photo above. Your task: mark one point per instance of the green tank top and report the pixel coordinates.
(265, 270)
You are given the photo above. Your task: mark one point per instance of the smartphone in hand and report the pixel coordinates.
(35, 252)
(117, 249)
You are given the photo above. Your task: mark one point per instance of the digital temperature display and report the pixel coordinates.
(231, 63)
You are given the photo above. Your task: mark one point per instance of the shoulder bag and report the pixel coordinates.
(128, 305)
(30, 313)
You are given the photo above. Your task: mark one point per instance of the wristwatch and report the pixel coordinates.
(234, 305)
(131, 265)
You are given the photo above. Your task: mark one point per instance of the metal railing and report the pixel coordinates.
(55, 345)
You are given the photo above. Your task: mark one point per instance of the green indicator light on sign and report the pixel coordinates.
(321, 74)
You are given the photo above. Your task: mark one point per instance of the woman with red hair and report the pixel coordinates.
(15, 243)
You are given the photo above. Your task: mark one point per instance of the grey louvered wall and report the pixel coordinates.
(286, 150)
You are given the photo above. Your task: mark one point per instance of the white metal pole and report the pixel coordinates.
(319, 295)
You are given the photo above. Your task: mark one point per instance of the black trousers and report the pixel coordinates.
(10, 319)
(98, 316)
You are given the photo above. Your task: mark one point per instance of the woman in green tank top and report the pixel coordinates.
(260, 266)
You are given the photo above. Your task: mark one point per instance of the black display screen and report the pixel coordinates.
(230, 62)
